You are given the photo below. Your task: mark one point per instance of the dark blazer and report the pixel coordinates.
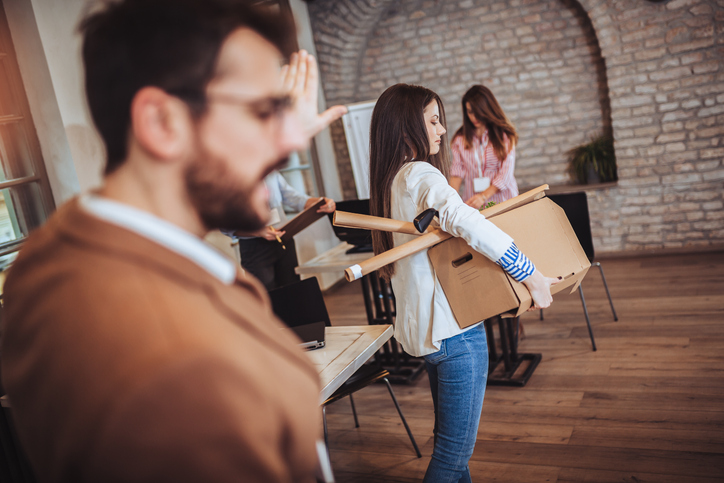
(127, 362)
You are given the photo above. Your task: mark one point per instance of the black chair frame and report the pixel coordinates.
(575, 205)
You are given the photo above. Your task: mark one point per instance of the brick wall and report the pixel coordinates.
(651, 74)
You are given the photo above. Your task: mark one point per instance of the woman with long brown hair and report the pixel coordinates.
(408, 162)
(484, 151)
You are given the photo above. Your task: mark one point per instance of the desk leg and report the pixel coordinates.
(512, 360)
(380, 308)
(368, 300)
(493, 357)
(370, 295)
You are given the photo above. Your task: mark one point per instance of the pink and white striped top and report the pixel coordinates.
(468, 164)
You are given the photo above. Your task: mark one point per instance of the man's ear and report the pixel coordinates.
(161, 124)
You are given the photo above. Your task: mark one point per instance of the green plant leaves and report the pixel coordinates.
(597, 156)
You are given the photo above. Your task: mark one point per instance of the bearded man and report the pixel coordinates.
(132, 351)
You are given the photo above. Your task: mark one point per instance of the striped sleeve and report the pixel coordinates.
(457, 168)
(504, 178)
(516, 264)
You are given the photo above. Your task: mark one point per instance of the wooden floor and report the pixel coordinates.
(648, 406)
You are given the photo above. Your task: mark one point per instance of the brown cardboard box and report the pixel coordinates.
(478, 288)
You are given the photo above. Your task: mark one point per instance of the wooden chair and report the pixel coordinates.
(303, 303)
(575, 205)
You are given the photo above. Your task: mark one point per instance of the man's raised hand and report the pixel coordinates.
(300, 80)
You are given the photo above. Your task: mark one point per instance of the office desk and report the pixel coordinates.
(379, 307)
(346, 349)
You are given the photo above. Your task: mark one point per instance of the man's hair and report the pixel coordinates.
(169, 44)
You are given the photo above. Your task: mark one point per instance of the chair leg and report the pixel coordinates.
(585, 312)
(541, 314)
(404, 422)
(603, 277)
(324, 423)
(354, 412)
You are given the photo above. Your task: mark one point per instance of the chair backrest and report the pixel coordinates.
(300, 303)
(575, 205)
(353, 236)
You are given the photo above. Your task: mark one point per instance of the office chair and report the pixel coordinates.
(303, 303)
(575, 205)
(14, 466)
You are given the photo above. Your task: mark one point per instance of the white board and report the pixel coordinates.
(357, 130)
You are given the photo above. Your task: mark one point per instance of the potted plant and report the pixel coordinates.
(593, 162)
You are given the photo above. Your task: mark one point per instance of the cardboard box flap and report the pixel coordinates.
(520, 200)
(576, 248)
(542, 231)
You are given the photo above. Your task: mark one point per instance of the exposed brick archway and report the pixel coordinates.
(341, 32)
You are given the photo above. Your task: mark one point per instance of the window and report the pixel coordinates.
(25, 196)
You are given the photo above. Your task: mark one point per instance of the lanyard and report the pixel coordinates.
(483, 146)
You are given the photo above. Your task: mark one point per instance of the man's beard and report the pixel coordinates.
(219, 201)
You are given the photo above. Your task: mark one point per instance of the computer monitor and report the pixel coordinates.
(360, 239)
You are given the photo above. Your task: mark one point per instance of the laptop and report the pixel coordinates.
(312, 335)
(301, 307)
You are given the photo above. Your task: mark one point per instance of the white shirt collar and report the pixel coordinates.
(162, 232)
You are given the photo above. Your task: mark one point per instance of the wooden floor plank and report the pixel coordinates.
(656, 438)
(515, 397)
(577, 475)
(669, 402)
(524, 432)
(682, 463)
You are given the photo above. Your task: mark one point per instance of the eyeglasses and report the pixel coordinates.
(263, 109)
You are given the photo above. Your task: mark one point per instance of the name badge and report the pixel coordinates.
(481, 184)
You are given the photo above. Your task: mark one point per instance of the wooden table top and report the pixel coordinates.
(346, 349)
(333, 260)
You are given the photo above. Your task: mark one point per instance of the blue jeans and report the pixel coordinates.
(458, 374)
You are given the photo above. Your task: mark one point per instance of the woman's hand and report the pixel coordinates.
(477, 200)
(539, 287)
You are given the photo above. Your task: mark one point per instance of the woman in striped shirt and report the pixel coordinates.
(483, 151)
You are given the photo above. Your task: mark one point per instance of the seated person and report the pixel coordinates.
(262, 254)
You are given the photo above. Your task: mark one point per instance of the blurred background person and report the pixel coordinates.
(483, 151)
(262, 252)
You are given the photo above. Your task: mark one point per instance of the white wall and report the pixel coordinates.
(45, 72)
(57, 22)
(319, 237)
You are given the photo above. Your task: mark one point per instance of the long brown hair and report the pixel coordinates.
(487, 109)
(397, 133)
